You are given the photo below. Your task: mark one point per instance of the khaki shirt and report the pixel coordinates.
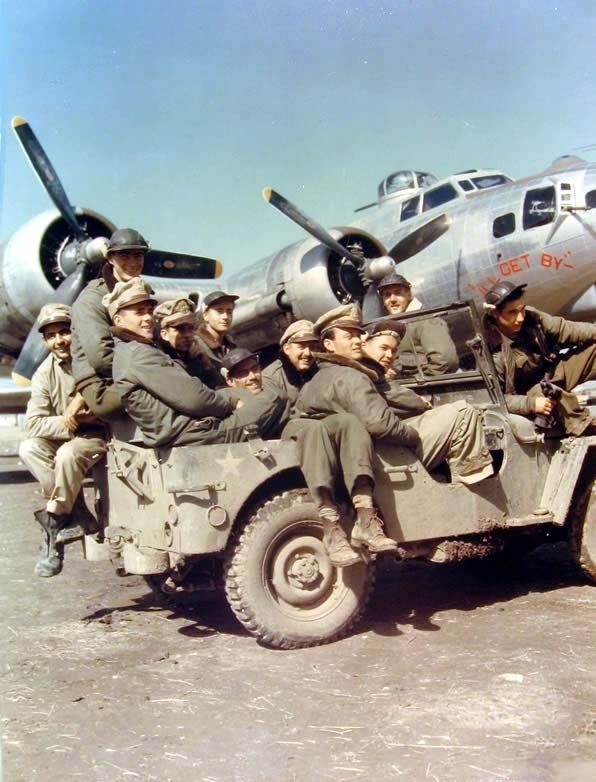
(52, 388)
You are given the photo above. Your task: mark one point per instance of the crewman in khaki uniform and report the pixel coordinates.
(64, 440)
(452, 432)
(527, 343)
(169, 406)
(212, 333)
(427, 346)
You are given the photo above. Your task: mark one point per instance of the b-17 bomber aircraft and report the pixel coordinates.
(453, 239)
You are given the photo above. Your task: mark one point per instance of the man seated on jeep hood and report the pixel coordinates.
(168, 405)
(527, 343)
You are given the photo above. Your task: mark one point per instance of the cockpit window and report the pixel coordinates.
(490, 180)
(539, 207)
(591, 199)
(504, 225)
(465, 184)
(437, 196)
(409, 208)
(425, 180)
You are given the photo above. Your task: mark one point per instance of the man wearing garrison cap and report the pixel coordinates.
(295, 364)
(527, 344)
(427, 346)
(64, 440)
(168, 405)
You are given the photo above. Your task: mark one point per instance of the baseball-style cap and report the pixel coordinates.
(53, 313)
(502, 291)
(348, 316)
(235, 357)
(299, 331)
(393, 279)
(214, 296)
(126, 293)
(174, 311)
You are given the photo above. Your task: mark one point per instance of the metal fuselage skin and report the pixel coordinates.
(555, 259)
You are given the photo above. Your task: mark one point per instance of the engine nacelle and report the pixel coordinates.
(303, 280)
(33, 262)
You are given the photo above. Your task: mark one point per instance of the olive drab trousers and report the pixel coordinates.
(569, 372)
(330, 447)
(453, 432)
(60, 467)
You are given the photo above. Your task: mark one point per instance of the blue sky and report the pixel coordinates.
(172, 116)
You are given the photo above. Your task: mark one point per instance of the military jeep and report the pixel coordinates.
(170, 514)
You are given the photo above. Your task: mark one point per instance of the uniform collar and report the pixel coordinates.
(342, 361)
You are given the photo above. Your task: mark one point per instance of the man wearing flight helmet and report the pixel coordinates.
(92, 343)
(527, 343)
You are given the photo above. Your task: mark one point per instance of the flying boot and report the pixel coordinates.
(52, 555)
(368, 532)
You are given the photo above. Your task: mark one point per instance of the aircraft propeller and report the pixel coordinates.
(369, 269)
(420, 239)
(80, 255)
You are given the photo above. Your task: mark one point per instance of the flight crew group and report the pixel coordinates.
(333, 390)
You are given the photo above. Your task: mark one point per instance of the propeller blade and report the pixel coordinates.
(309, 225)
(34, 350)
(159, 263)
(45, 171)
(421, 238)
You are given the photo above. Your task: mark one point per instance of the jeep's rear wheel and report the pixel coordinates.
(582, 534)
(280, 583)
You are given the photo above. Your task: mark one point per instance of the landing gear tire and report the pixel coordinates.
(279, 581)
(582, 534)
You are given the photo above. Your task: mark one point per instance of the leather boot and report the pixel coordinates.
(52, 558)
(368, 532)
(82, 522)
(339, 551)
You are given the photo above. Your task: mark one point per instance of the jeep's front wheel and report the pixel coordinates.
(582, 535)
(280, 583)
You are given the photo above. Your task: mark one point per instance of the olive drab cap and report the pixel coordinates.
(501, 292)
(299, 331)
(348, 316)
(53, 313)
(214, 296)
(393, 328)
(174, 311)
(393, 279)
(127, 239)
(234, 358)
(127, 293)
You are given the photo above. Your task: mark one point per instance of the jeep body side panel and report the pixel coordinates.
(185, 500)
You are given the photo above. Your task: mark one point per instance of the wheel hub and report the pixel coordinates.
(303, 570)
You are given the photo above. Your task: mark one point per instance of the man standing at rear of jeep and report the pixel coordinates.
(64, 440)
(169, 406)
(527, 342)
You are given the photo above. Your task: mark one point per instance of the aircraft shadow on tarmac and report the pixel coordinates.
(406, 593)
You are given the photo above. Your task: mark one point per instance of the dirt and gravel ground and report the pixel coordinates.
(468, 673)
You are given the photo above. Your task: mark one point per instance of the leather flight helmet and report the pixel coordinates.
(502, 292)
(127, 239)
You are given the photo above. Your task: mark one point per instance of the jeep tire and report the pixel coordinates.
(279, 581)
